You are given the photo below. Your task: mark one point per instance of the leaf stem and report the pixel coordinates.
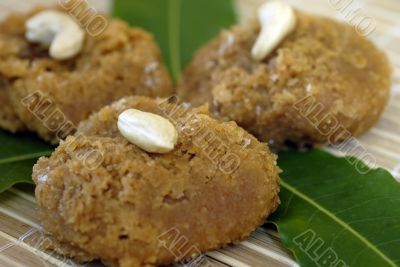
(174, 13)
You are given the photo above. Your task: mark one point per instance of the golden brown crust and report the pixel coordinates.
(322, 59)
(118, 211)
(119, 62)
(8, 118)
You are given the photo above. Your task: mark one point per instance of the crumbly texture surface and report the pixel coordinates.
(342, 77)
(131, 209)
(119, 62)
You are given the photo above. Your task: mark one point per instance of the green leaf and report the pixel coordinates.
(18, 153)
(179, 26)
(331, 215)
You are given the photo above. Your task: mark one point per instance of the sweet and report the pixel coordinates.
(321, 84)
(128, 206)
(51, 96)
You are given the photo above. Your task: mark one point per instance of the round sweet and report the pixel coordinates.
(51, 97)
(128, 207)
(323, 83)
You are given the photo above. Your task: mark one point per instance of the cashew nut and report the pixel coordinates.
(148, 131)
(277, 20)
(57, 30)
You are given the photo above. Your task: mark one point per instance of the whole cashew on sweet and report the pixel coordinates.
(57, 30)
(277, 20)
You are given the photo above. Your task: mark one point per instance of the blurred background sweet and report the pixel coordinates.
(376, 18)
(7, 6)
(379, 21)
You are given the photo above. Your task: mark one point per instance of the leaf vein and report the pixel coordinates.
(364, 203)
(24, 157)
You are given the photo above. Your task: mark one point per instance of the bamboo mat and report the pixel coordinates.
(21, 244)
